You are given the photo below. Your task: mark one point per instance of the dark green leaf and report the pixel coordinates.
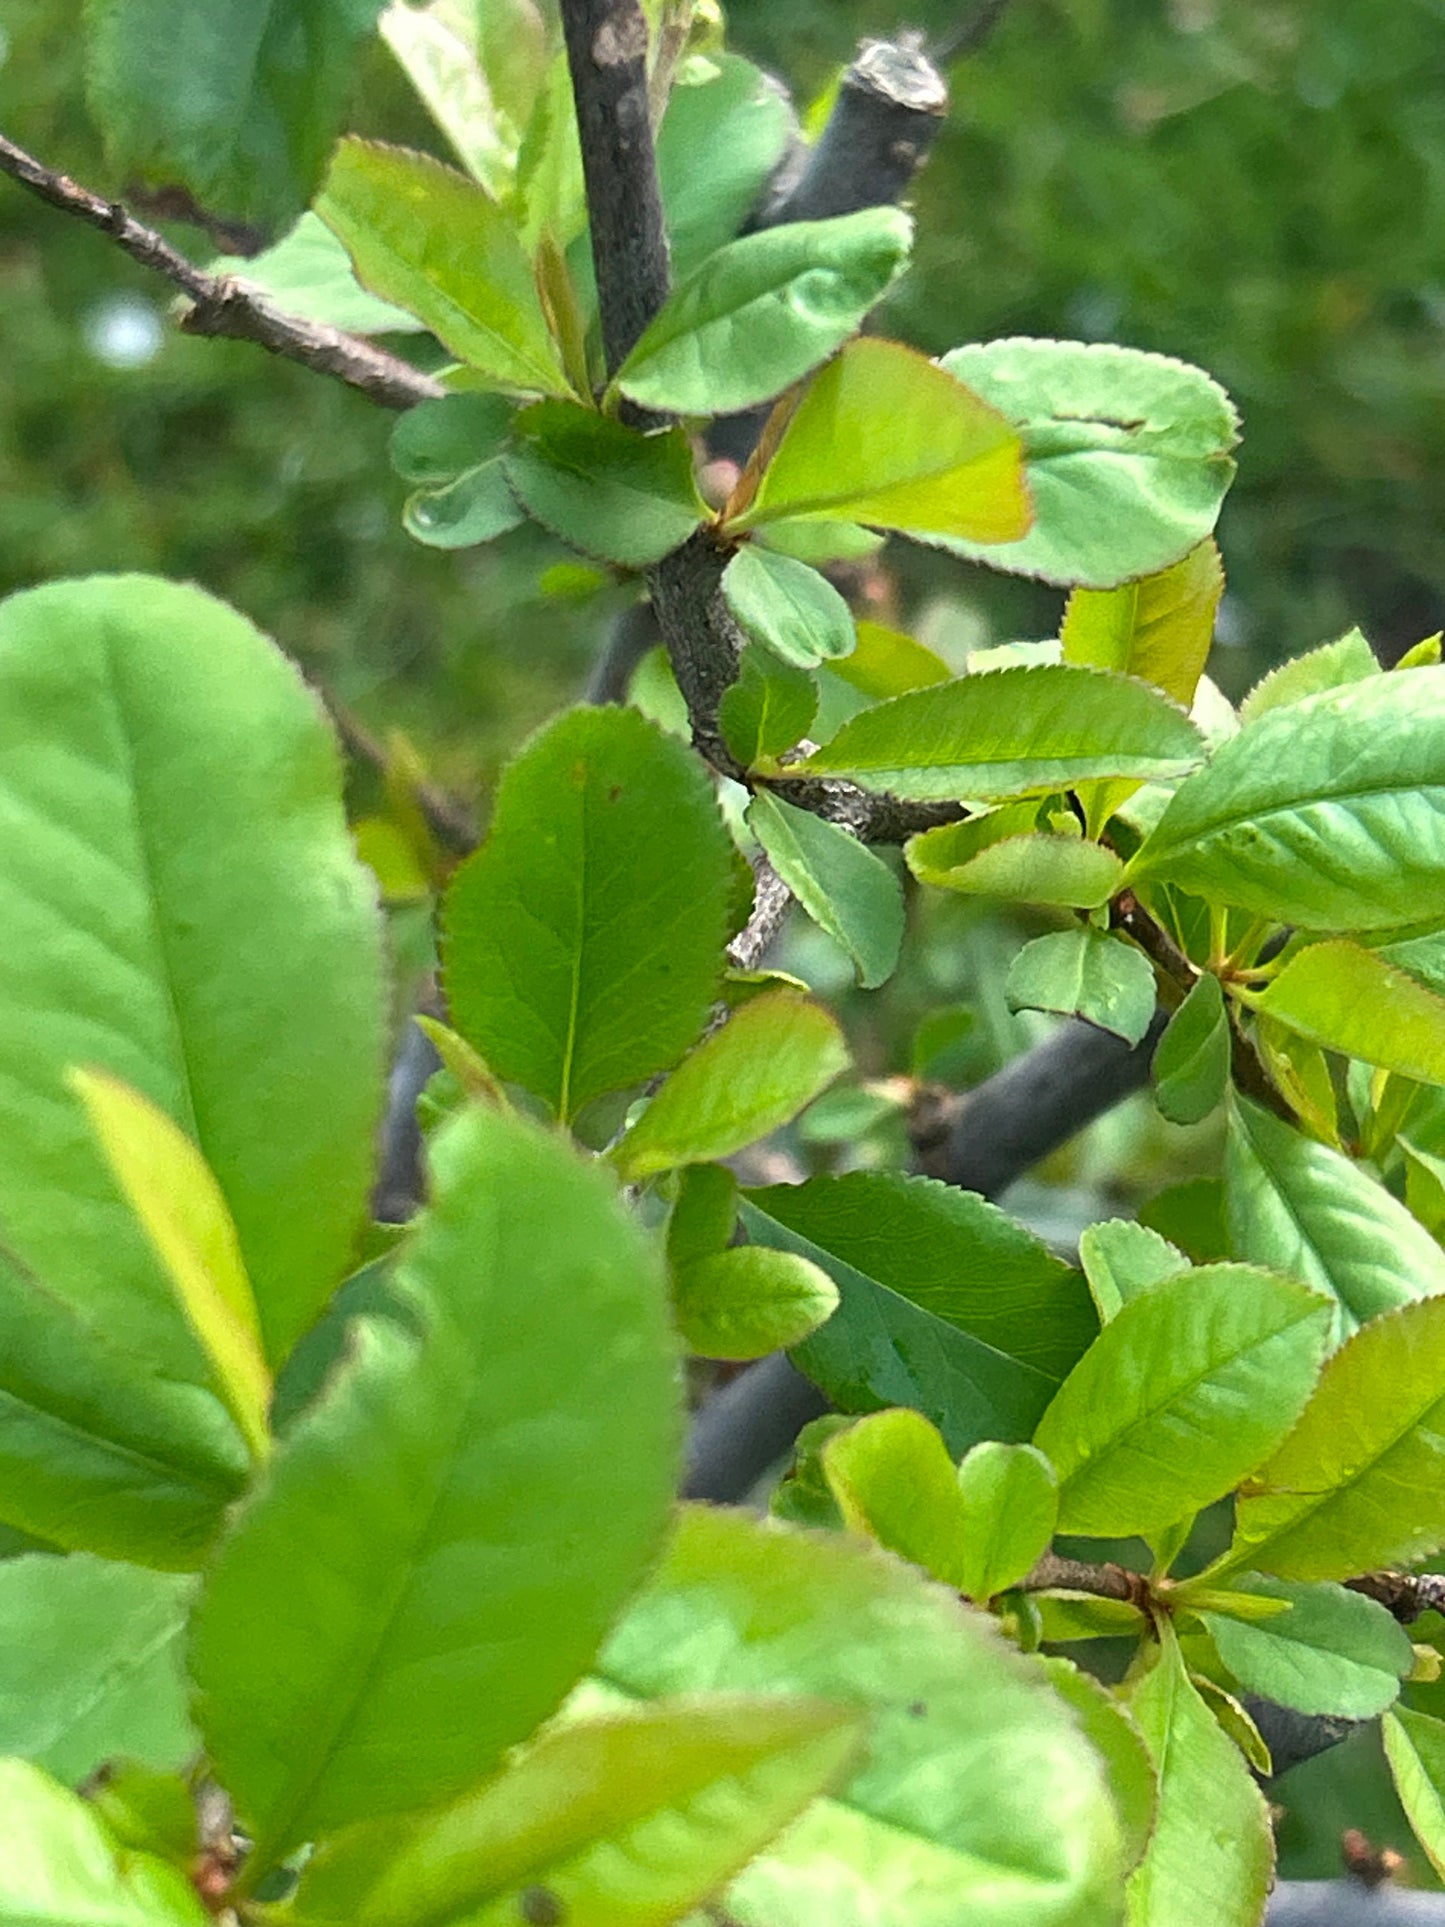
(442, 1540)
(425, 237)
(1127, 456)
(948, 1305)
(1333, 1651)
(768, 708)
(787, 607)
(1088, 973)
(438, 441)
(610, 491)
(1303, 1209)
(582, 944)
(704, 1214)
(1191, 1215)
(843, 886)
(477, 507)
(1012, 731)
(206, 101)
(1191, 1064)
(1189, 1388)
(757, 315)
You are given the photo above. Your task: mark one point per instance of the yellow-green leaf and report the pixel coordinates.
(1350, 999)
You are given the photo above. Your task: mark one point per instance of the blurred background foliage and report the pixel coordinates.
(1254, 185)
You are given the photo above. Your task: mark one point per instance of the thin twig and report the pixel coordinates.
(970, 34)
(448, 820)
(222, 305)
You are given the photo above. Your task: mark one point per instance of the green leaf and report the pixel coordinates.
(886, 663)
(843, 886)
(174, 1194)
(720, 139)
(477, 507)
(1211, 1831)
(225, 960)
(749, 1301)
(976, 1794)
(1333, 1651)
(60, 1866)
(425, 237)
(442, 1540)
(1191, 1215)
(633, 1818)
(1122, 1259)
(1323, 814)
(207, 105)
(1111, 1730)
(1191, 1063)
(582, 945)
(787, 607)
(1303, 1209)
(1158, 628)
(1088, 973)
(1127, 456)
(754, 317)
(1348, 999)
(1009, 732)
(308, 273)
(90, 1664)
(1010, 1496)
(610, 491)
(768, 708)
(1186, 1390)
(772, 1057)
(948, 1305)
(1360, 1483)
(436, 48)
(146, 1808)
(452, 448)
(1349, 660)
(1415, 1749)
(885, 437)
(704, 1214)
(895, 1483)
(1064, 870)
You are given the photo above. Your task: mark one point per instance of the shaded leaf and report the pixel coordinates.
(718, 144)
(768, 708)
(1064, 870)
(1190, 1070)
(1333, 1651)
(1158, 628)
(582, 945)
(704, 1214)
(886, 663)
(748, 1301)
(424, 1553)
(787, 607)
(843, 886)
(759, 313)
(1088, 973)
(769, 1059)
(610, 491)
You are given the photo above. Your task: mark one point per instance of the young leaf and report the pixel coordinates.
(755, 316)
(1122, 1259)
(1360, 1483)
(787, 607)
(895, 1483)
(1191, 1063)
(425, 237)
(768, 708)
(1415, 1749)
(224, 960)
(59, 1864)
(771, 1057)
(1305, 1210)
(1189, 1388)
(1211, 1830)
(308, 273)
(1349, 660)
(637, 1816)
(975, 1795)
(442, 1540)
(887, 663)
(173, 1193)
(748, 1301)
(205, 102)
(1064, 870)
(582, 944)
(1127, 456)
(885, 437)
(1348, 999)
(90, 1664)
(1322, 814)
(1088, 973)
(1010, 732)
(718, 144)
(1158, 628)
(440, 59)
(843, 886)
(1333, 1651)
(610, 491)
(1010, 1497)
(948, 1305)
